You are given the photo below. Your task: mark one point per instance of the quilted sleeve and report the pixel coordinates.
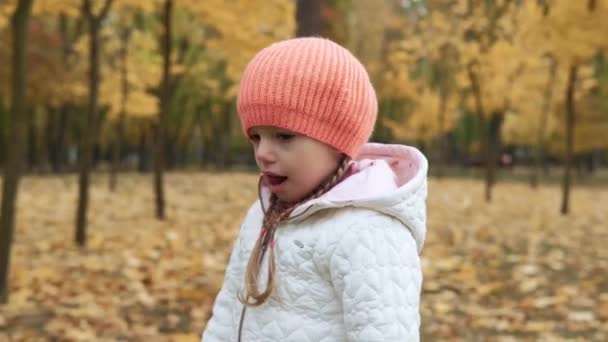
(375, 270)
(221, 325)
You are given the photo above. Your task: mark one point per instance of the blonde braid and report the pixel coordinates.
(333, 181)
(278, 212)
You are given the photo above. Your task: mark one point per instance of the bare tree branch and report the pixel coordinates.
(106, 8)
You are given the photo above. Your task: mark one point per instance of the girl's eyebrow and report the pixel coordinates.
(284, 131)
(270, 130)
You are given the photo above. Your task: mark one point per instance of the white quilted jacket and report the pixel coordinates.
(347, 263)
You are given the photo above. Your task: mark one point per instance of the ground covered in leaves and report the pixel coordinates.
(512, 270)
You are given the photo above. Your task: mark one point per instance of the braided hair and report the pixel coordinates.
(278, 212)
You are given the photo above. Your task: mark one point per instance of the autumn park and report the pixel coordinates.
(125, 174)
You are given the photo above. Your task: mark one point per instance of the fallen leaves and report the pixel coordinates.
(138, 278)
(514, 268)
(510, 270)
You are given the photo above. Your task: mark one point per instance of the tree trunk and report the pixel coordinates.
(165, 101)
(486, 133)
(116, 156)
(16, 138)
(490, 135)
(119, 137)
(542, 126)
(569, 139)
(492, 150)
(31, 145)
(87, 138)
(205, 142)
(43, 157)
(52, 125)
(170, 151)
(52, 141)
(59, 155)
(590, 163)
(90, 129)
(142, 151)
(62, 139)
(579, 162)
(308, 18)
(227, 137)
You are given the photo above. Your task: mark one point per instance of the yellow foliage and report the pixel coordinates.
(6, 11)
(143, 74)
(397, 84)
(364, 38)
(242, 33)
(522, 128)
(459, 7)
(145, 6)
(70, 8)
(508, 55)
(570, 30)
(590, 128)
(497, 72)
(530, 103)
(425, 122)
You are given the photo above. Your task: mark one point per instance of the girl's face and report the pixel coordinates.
(293, 165)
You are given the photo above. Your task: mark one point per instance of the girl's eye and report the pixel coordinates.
(285, 136)
(254, 138)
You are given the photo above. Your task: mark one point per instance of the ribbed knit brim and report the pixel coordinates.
(310, 86)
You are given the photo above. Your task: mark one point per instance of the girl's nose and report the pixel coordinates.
(264, 153)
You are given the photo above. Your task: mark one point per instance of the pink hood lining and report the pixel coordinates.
(390, 179)
(378, 171)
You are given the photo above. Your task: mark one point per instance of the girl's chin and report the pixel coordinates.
(289, 198)
(282, 193)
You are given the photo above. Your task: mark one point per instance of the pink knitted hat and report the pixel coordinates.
(311, 86)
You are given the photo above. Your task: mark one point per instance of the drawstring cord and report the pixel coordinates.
(270, 235)
(264, 234)
(271, 245)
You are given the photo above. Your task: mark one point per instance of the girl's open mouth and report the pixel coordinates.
(276, 183)
(274, 180)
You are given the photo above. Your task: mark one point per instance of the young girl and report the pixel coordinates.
(329, 252)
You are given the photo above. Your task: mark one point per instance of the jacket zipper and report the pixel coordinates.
(241, 322)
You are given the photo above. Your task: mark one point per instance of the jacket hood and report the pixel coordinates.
(390, 179)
